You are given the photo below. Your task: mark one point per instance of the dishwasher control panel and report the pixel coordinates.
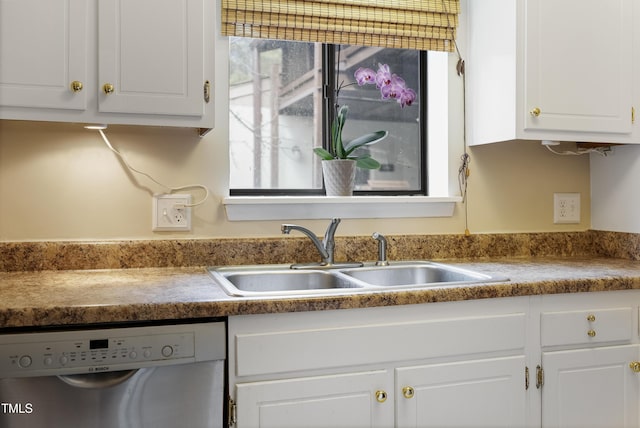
(101, 350)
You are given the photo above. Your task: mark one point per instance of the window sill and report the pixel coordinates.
(322, 207)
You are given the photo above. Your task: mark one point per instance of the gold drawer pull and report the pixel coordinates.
(381, 396)
(635, 366)
(108, 88)
(535, 112)
(591, 318)
(408, 392)
(591, 333)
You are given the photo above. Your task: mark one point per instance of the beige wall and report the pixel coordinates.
(512, 185)
(59, 182)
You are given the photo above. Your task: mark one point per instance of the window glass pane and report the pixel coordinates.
(274, 99)
(399, 153)
(275, 118)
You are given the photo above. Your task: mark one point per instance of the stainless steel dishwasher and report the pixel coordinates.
(126, 377)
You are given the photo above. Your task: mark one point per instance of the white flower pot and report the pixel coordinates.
(339, 176)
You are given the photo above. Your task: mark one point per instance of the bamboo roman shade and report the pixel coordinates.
(407, 24)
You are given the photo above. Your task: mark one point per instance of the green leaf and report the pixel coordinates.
(336, 132)
(367, 163)
(334, 136)
(325, 155)
(365, 140)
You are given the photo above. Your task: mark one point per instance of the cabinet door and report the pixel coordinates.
(590, 388)
(479, 393)
(42, 51)
(151, 52)
(347, 400)
(578, 66)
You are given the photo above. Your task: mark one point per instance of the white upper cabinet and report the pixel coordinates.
(153, 61)
(140, 62)
(43, 50)
(549, 69)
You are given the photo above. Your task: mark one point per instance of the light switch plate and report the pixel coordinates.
(566, 208)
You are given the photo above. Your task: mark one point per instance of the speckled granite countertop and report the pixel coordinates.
(75, 297)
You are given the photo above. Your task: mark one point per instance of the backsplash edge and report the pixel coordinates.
(42, 256)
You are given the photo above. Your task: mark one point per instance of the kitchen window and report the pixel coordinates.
(274, 159)
(246, 201)
(281, 98)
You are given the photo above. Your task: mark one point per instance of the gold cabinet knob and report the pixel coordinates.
(591, 333)
(76, 86)
(108, 88)
(591, 318)
(408, 392)
(535, 112)
(381, 396)
(635, 366)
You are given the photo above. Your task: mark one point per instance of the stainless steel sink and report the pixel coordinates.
(280, 280)
(417, 274)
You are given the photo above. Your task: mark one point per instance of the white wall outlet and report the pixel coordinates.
(566, 207)
(170, 213)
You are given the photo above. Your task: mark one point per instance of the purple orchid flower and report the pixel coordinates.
(393, 89)
(365, 76)
(391, 86)
(383, 76)
(407, 97)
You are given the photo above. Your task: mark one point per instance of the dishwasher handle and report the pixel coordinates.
(98, 380)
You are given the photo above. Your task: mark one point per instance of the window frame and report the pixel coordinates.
(328, 112)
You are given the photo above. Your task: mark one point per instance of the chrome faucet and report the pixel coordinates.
(328, 244)
(382, 249)
(325, 247)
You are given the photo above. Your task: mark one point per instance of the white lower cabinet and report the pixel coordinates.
(589, 343)
(342, 400)
(433, 365)
(490, 392)
(590, 388)
(556, 361)
(477, 393)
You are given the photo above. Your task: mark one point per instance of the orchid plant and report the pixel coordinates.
(391, 86)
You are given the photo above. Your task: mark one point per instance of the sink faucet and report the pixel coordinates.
(382, 249)
(326, 247)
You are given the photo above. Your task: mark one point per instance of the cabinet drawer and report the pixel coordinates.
(356, 345)
(586, 327)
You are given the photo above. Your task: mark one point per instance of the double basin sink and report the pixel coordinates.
(281, 280)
